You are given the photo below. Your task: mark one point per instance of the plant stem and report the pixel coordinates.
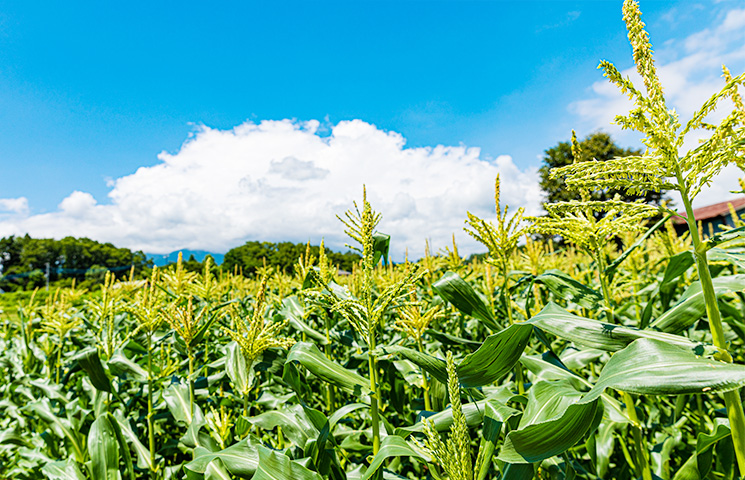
(425, 383)
(191, 381)
(150, 432)
(376, 394)
(330, 400)
(600, 263)
(59, 359)
(642, 461)
(731, 399)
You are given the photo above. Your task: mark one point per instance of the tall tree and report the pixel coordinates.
(282, 255)
(598, 146)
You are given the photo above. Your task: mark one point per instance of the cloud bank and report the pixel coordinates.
(690, 71)
(283, 180)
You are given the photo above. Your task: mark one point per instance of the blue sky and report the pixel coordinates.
(90, 92)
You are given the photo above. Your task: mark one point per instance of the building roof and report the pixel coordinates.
(712, 211)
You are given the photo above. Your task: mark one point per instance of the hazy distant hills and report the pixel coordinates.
(161, 260)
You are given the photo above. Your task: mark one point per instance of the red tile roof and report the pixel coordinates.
(711, 211)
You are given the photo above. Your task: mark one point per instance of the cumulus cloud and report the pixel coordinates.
(14, 206)
(690, 73)
(282, 180)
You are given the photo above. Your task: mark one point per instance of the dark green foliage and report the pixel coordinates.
(282, 256)
(24, 260)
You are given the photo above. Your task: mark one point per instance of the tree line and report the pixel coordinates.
(27, 263)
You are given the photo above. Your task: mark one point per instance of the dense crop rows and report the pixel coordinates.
(617, 355)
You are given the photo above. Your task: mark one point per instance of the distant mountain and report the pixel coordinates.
(162, 260)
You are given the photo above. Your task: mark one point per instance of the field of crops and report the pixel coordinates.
(615, 354)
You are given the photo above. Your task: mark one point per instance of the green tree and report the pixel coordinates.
(252, 255)
(598, 146)
(24, 260)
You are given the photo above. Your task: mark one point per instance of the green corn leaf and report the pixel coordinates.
(62, 427)
(474, 413)
(698, 465)
(91, 364)
(495, 358)
(393, 446)
(554, 421)
(177, 398)
(308, 355)
(240, 459)
(604, 443)
(732, 256)
(518, 471)
(565, 287)
(295, 425)
(596, 334)
(431, 364)
(726, 236)
(447, 339)
(692, 306)
(236, 368)
(12, 437)
(63, 470)
(120, 365)
(143, 453)
(216, 471)
(344, 411)
(677, 265)
(549, 370)
(293, 311)
(123, 447)
(652, 367)
(104, 449)
(276, 466)
(495, 415)
(381, 247)
(457, 291)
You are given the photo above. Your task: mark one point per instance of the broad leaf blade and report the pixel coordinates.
(495, 358)
(393, 446)
(276, 466)
(692, 306)
(554, 421)
(104, 449)
(565, 287)
(316, 362)
(457, 291)
(595, 334)
(91, 364)
(652, 367)
(240, 459)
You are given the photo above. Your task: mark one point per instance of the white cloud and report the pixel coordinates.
(689, 78)
(281, 180)
(18, 206)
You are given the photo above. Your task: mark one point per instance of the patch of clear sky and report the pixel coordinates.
(90, 91)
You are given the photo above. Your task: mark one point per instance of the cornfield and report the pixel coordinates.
(617, 354)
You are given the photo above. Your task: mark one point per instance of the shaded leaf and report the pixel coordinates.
(104, 449)
(457, 291)
(276, 466)
(393, 446)
(308, 355)
(91, 364)
(553, 422)
(596, 334)
(692, 306)
(652, 367)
